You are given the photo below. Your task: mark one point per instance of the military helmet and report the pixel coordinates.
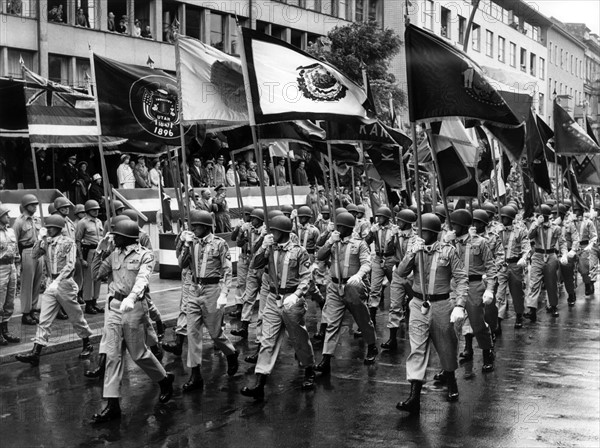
(361, 209)
(508, 211)
(131, 214)
(118, 205)
(461, 217)
(201, 217)
(384, 211)
(287, 208)
(259, 214)
(490, 208)
(577, 206)
(481, 215)
(431, 222)
(272, 213)
(352, 208)
(91, 205)
(51, 209)
(545, 210)
(115, 219)
(29, 199)
(440, 210)
(346, 219)
(325, 210)
(54, 221)
(127, 228)
(248, 209)
(61, 202)
(79, 208)
(281, 223)
(305, 211)
(407, 215)
(414, 208)
(340, 210)
(3, 210)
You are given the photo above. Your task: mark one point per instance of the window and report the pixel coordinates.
(462, 23)
(550, 52)
(542, 70)
(296, 38)
(24, 8)
(476, 37)
(446, 23)
(562, 58)
(317, 5)
(428, 14)
(513, 54)
(489, 43)
(142, 13)
(376, 11)
(217, 33)
(58, 69)
(192, 21)
(13, 67)
(359, 11)
(343, 9)
(555, 54)
(57, 13)
(549, 86)
(82, 73)
(523, 60)
(532, 64)
(326, 6)
(501, 49)
(541, 104)
(572, 65)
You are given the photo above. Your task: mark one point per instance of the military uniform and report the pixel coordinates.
(362, 228)
(383, 260)
(88, 234)
(400, 288)
(250, 239)
(511, 276)
(588, 237)
(492, 235)
(26, 231)
(242, 263)
(69, 230)
(567, 271)
(9, 254)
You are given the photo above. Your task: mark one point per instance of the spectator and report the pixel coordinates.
(96, 191)
(220, 178)
(209, 174)
(167, 175)
(222, 221)
(125, 173)
(111, 22)
(54, 15)
(231, 175)
(267, 179)
(44, 168)
(146, 33)
(122, 26)
(301, 178)
(252, 175)
(14, 7)
(142, 177)
(280, 173)
(312, 201)
(243, 174)
(196, 173)
(205, 202)
(155, 176)
(137, 28)
(323, 201)
(3, 173)
(83, 183)
(81, 19)
(70, 177)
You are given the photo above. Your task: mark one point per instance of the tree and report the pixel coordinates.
(364, 44)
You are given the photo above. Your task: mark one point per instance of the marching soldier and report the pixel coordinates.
(308, 236)
(88, 234)
(208, 257)
(571, 236)
(242, 264)
(289, 278)
(588, 237)
(350, 262)
(432, 314)
(119, 208)
(130, 265)
(59, 253)
(9, 254)
(363, 226)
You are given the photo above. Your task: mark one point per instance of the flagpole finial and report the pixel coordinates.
(150, 62)
(21, 61)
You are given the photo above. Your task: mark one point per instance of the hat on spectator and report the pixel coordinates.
(220, 187)
(123, 156)
(96, 176)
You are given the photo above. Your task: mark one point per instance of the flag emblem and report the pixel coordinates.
(159, 112)
(478, 88)
(319, 84)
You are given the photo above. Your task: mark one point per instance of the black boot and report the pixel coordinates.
(554, 311)
(242, 332)
(32, 358)
(87, 349)
(571, 299)
(96, 307)
(80, 298)
(195, 382)
(309, 378)
(440, 377)
(467, 353)
(35, 315)
(98, 372)
(232, 363)
(166, 388)
(2, 340)
(175, 347)
(519, 321)
(26, 319)
(452, 387)
(373, 314)
(392, 343)
(324, 367)
(258, 391)
(253, 358)
(112, 411)
(488, 361)
(498, 330)
(237, 314)
(89, 308)
(7, 335)
(320, 335)
(531, 315)
(160, 329)
(371, 354)
(62, 315)
(157, 352)
(413, 403)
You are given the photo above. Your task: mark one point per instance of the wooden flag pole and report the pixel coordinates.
(353, 185)
(498, 204)
(37, 182)
(174, 168)
(289, 159)
(368, 183)
(332, 181)
(236, 180)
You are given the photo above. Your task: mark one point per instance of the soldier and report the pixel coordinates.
(289, 278)
(87, 235)
(131, 266)
(26, 229)
(321, 273)
(59, 253)
(548, 240)
(350, 262)
(119, 208)
(571, 236)
(511, 275)
(208, 257)
(494, 225)
(9, 254)
(79, 212)
(588, 237)
(363, 226)
(308, 235)
(242, 264)
(63, 207)
(432, 314)
(400, 288)
(287, 210)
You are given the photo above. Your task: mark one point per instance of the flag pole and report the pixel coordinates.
(353, 185)
(367, 178)
(498, 205)
(177, 180)
(37, 181)
(332, 179)
(289, 159)
(236, 180)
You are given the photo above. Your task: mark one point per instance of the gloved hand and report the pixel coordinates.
(522, 262)
(42, 233)
(374, 228)
(355, 280)
(187, 236)
(571, 254)
(290, 301)
(84, 264)
(127, 304)
(557, 221)
(395, 230)
(334, 238)
(539, 220)
(564, 260)
(319, 217)
(418, 244)
(105, 243)
(263, 231)
(268, 241)
(488, 297)
(588, 247)
(222, 301)
(52, 287)
(294, 214)
(458, 314)
(449, 236)
(330, 227)
(472, 231)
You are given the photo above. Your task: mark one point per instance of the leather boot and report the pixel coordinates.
(232, 363)
(571, 299)
(175, 347)
(160, 329)
(519, 321)
(309, 378)
(440, 377)
(89, 308)
(498, 331)
(413, 403)
(35, 315)
(112, 411)
(324, 367)
(62, 315)
(253, 358)
(87, 349)
(320, 335)
(26, 319)
(80, 298)
(98, 372)
(33, 357)
(371, 354)
(452, 386)
(97, 308)
(237, 314)
(392, 343)
(7, 335)
(467, 353)
(2, 340)
(554, 311)
(531, 314)
(242, 331)
(373, 314)
(157, 352)
(166, 388)
(195, 382)
(488, 361)
(258, 391)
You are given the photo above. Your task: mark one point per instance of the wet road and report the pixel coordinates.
(543, 393)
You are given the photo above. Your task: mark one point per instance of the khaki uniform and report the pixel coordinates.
(186, 287)
(511, 277)
(87, 235)
(497, 248)
(400, 288)
(242, 265)
(588, 237)
(382, 262)
(69, 230)
(26, 231)
(250, 238)
(567, 271)
(9, 254)
(362, 228)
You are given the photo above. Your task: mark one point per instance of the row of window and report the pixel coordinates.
(562, 59)
(351, 10)
(556, 88)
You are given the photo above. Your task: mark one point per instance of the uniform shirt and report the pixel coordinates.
(477, 257)
(131, 268)
(570, 234)
(288, 266)
(587, 231)
(89, 231)
(548, 236)
(515, 241)
(308, 236)
(348, 257)
(441, 265)
(208, 257)
(26, 229)
(59, 255)
(400, 243)
(321, 225)
(249, 237)
(69, 228)
(9, 251)
(380, 236)
(362, 228)
(496, 247)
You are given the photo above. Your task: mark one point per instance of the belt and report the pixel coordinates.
(432, 297)
(208, 280)
(282, 290)
(474, 278)
(25, 246)
(513, 259)
(338, 281)
(89, 246)
(586, 242)
(547, 251)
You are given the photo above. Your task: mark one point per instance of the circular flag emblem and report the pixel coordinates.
(317, 83)
(155, 106)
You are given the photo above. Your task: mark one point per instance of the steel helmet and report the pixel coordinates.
(61, 202)
(201, 217)
(281, 223)
(481, 215)
(346, 219)
(79, 208)
(305, 211)
(259, 214)
(127, 228)
(451, 206)
(325, 210)
(131, 214)
(361, 209)
(414, 208)
(490, 208)
(407, 215)
(384, 211)
(396, 209)
(248, 209)
(550, 202)
(118, 205)
(440, 211)
(340, 210)
(3, 210)
(567, 202)
(51, 209)
(91, 205)
(431, 222)
(115, 219)
(475, 204)
(29, 199)
(545, 210)
(272, 213)
(513, 204)
(560, 209)
(508, 211)
(54, 221)
(461, 217)
(287, 208)
(352, 208)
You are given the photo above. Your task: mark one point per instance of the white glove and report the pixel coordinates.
(319, 217)
(294, 214)
(458, 314)
(450, 236)
(52, 287)
(522, 262)
(127, 304)
(222, 301)
(268, 241)
(593, 214)
(330, 227)
(395, 230)
(334, 238)
(488, 297)
(418, 244)
(374, 228)
(564, 260)
(105, 243)
(187, 236)
(539, 220)
(557, 221)
(355, 280)
(263, 232)
(571, 254)
(472, 231)
(290, 301)
(42, 233)
(588, 247)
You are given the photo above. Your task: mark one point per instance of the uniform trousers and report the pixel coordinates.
(31, 280)
(253, 285)
(400, 291)
(567, 273)
(91, 288)
(242, 274)
(380, 268)
(8, 290)
(543, 271)
(476, 313)
(186, 287)
(584, 265)
(510, 280)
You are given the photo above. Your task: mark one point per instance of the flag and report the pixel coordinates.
(530, 194)
(386, 160)
(281, 149)
(59, 116)
(590, 131)
(569, 137)
(587, 169)
(485, 164)
(367, 87)
(211, 85)
(536, 158)
(289, 84)
(137, 102)
(373, 132)
(13, 114)
(165, 209)
(573, 186)
(241, 137)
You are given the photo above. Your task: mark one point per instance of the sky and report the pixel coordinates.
(577, 11)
